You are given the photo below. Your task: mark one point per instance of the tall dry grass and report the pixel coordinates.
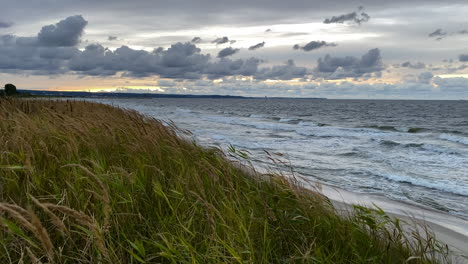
(82, 182)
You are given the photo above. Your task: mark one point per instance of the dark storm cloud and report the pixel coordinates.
(282, 72)
(341, 18)
(357, 17)
(418, 65)
(437, 33)
(222, 40)
(463, 57)
(196, 40)
(227, 52)
(60, 53)
(257, 46)
(158, 50)
(111, 38)
(227, 67)
(425, 77)
(343, 67)
(5, 24)
(180, 60)
(23, 54)
(48, 53)
(313, 45)
(65, 33)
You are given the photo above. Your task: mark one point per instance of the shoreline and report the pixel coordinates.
(449, 195)
(448, 229)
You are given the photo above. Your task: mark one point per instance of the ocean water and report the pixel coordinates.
(409, 151)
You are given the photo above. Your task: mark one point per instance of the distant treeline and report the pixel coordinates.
(135, 95)
(123, 95)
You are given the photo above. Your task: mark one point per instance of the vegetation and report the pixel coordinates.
(82, 182)
(10, 89)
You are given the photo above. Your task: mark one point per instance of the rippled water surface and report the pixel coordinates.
(412, 151)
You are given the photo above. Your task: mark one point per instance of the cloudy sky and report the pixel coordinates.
(410, 49)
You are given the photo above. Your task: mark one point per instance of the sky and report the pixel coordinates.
(368, 49)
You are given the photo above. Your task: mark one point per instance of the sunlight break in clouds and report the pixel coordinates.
(100, 51)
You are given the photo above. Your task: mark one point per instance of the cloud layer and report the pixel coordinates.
(350, 67)
(313, 45)
(463, 57)
(220, 41)
(62, 49)
(227, 52)
(66, 33)
(357, 17)
(55, 51)
(4, 24)
(257, 46)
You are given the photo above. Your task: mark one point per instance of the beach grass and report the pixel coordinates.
(83, 182)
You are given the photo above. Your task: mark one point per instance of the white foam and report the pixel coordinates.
(306, 123)
(460, 188)
(184, 110)
(439, 149)
(249, 123)
(286, 120)
(435, 164)
(341, 132)
(453, 138)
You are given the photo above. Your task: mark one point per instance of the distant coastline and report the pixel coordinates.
(144, 95)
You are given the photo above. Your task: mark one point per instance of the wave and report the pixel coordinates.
(398, 129)
(441, 185)
(454, 132)
(427, 201)
(290, 120)
(452, 138)
(414, 145)
(383, 128)
(349, 154)
(184, 110)
(250, 123)
(311, 129)
(421, 146)
(389, 143)
(439, 149)
(417, 130)
(321, 130)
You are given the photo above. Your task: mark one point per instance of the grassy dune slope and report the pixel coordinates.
(83, 182)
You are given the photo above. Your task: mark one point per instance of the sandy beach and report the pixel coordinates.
(448, 229)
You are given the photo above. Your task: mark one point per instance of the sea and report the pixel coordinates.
(414, 152)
